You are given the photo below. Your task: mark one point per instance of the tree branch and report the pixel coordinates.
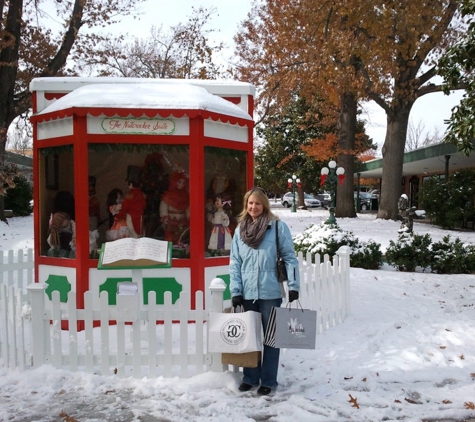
(430, 88)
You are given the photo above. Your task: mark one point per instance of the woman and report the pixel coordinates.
(253, 272)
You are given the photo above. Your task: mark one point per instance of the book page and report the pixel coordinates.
(119, 249)
(156, 250)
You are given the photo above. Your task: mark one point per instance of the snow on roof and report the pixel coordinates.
(221, 87)
(146, 96)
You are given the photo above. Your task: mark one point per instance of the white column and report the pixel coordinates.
(217, 288)
(39, 331)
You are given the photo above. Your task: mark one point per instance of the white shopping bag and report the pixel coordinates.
(239, 332)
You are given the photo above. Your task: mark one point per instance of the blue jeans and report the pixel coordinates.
(266, 372)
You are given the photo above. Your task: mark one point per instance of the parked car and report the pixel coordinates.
(310, 200)
(365, 201)
(375, 193)
(324, 198)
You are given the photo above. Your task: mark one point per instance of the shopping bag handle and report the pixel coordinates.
(289, 305)
(234, 309)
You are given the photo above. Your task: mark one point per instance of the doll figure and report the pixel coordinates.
(175, 207)
(62, 236)
(94, 205)
(220, 235)
(94, 214)
(220, 185)
(62, 228)
(134, 201)
(119, 228)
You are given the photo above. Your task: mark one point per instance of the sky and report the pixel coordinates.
(405, 352)
(430, 110)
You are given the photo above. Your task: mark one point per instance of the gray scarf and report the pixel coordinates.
(252, 232)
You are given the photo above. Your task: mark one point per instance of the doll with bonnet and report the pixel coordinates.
(220, 238)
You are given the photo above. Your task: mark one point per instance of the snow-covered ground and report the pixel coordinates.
(406, 352)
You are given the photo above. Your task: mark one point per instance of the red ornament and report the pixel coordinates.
(341, 177)
(322, 179)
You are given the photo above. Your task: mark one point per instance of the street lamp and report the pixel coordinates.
(333, 174)
(293, 183)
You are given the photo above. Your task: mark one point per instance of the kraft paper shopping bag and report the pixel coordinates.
(244, 360)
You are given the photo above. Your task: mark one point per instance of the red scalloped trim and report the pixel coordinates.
(54, 95)
(234, 100)
(126, 112)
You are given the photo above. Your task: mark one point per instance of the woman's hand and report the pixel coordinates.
(237, 301)
(293, 295)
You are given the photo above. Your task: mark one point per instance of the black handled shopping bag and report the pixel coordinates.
(291, 328)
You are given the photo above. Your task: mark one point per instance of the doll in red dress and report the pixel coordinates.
(134, 201)
(119, 228)
(175, 207)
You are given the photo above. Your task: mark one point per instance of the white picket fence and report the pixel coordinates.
(36, 331)
(17, 268)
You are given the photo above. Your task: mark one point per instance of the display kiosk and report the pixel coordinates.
(178, 152)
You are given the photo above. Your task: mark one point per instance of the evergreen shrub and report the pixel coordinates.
(19, 197)
(410, 251)
(453, 257)
(450, 203)
(326, 239)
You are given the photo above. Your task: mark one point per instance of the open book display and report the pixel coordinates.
(143, 252)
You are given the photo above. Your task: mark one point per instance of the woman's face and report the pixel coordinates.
(120, 198)
(254, 207)
(218, 203)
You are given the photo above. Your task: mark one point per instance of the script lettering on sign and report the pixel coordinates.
(142, 126)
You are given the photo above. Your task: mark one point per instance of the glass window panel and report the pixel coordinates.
(122, 174)
(225, 183)
(56, 208)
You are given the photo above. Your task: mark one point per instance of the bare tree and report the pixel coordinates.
(419, 137)
(29, 49)
(20, 136)
(182, 52)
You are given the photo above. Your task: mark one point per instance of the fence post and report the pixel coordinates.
(217, 288)
(344, 254)
(37, 300)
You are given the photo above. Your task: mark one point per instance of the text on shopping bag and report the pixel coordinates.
(291, 328)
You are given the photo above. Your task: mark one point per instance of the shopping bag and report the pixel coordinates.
(244, 360)
(291, 328)
(238, 332)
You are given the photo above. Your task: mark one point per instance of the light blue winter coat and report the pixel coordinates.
(253, 271)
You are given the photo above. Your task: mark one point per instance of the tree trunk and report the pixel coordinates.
(346, 145)
(11, 107)
(393, 159)
(8, 73)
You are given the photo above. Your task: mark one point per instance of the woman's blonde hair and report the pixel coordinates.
(262, 198)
